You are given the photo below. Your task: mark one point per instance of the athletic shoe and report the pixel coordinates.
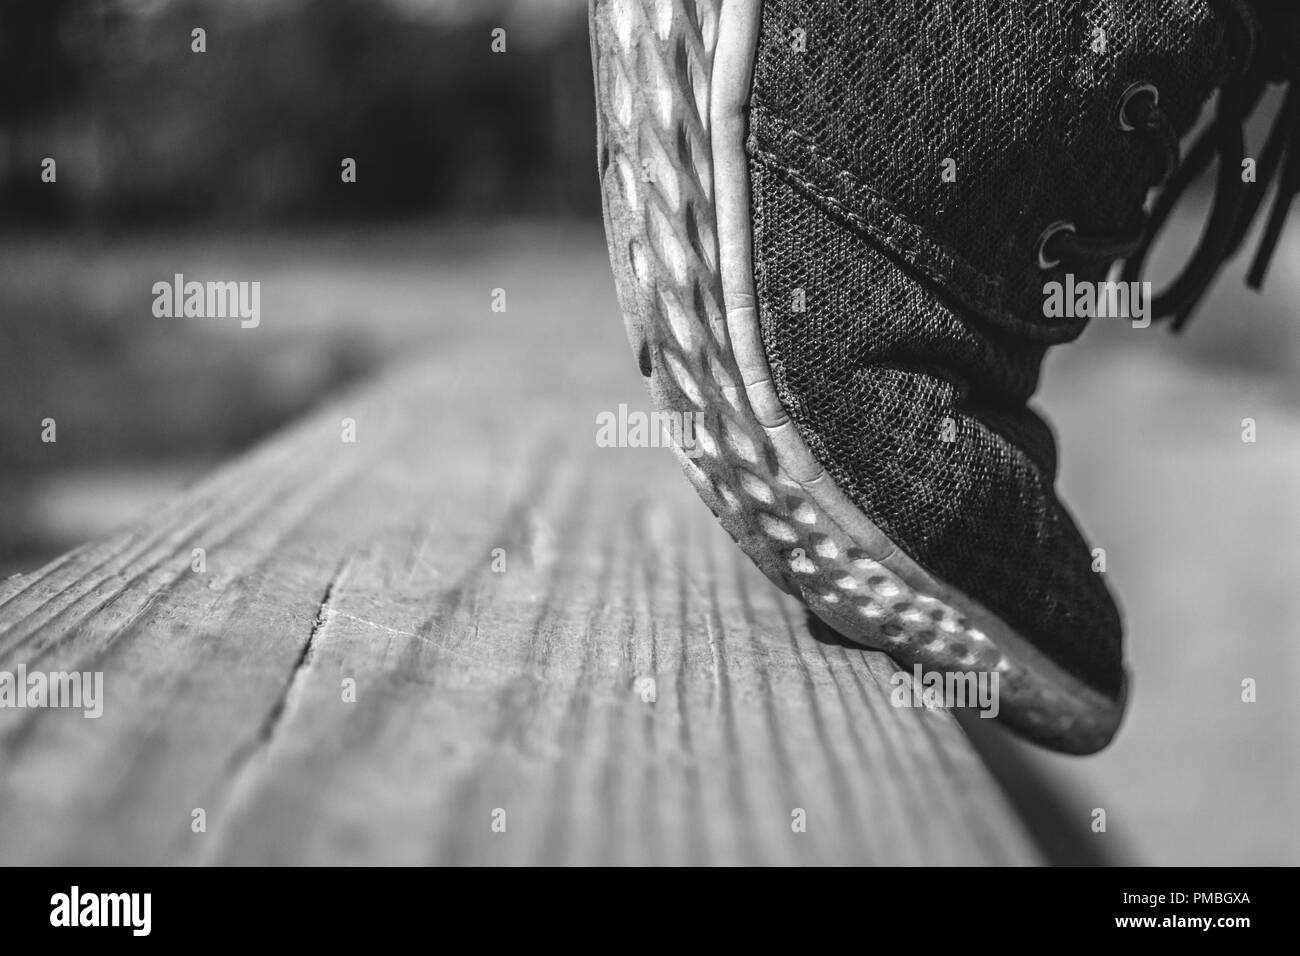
(832, 226)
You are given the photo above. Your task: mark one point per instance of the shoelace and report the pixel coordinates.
(1236, 203)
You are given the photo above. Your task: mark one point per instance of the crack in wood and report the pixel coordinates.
(302, 666)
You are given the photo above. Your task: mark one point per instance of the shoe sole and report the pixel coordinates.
(672, 89)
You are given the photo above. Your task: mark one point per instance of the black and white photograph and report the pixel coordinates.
(650, 433)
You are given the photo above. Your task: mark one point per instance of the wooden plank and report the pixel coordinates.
(475, 690)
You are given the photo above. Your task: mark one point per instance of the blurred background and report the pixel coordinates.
(228, 163)
(476, 170)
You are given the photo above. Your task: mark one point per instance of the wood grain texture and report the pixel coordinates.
(476, 690)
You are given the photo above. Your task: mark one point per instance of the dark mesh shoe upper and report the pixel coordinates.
(924, 297)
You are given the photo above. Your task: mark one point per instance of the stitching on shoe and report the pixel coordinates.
(882, 220)
(862, 208)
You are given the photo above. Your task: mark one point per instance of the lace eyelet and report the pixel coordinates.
(1121, 111)
(1040, 249)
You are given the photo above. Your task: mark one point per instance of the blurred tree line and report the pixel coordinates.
(253, 131)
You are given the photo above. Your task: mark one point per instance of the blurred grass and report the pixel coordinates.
(150, 403)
